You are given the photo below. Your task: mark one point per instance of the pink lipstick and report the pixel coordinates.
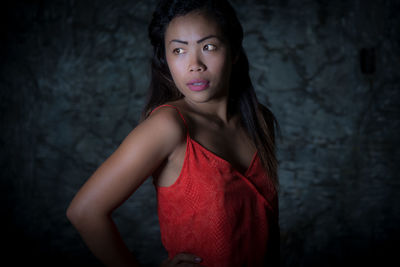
(198, 85)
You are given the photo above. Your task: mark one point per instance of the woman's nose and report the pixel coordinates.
(196, 65)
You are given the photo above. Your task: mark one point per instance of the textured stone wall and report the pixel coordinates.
(73, 79)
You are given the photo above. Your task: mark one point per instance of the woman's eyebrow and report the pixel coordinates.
(199, 41)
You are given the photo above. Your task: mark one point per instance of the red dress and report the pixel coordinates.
(212, 210)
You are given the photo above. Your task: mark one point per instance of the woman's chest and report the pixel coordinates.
(232, 145)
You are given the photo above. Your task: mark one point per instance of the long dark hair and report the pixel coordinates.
(257, 119)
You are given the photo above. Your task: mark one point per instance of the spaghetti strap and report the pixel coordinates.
(180, 114)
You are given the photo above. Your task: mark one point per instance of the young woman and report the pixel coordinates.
(207, 143)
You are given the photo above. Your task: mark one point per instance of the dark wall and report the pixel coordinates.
(73, 79)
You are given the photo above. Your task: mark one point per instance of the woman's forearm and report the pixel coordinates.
(104, 240)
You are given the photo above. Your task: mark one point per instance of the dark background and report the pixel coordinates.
(73, 79)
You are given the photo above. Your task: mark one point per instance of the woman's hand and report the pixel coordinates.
(182, 259)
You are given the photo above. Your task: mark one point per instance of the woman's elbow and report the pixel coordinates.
(73, 214)
(82, 216)
(78, 214)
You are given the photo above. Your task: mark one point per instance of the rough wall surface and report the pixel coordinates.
(73, 80)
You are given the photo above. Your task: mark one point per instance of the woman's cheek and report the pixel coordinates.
(173, 68)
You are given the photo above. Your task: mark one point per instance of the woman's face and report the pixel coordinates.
(198, 58)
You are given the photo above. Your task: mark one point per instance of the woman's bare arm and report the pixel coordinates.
(141, 152)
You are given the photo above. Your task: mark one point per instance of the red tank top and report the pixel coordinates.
(212, 210)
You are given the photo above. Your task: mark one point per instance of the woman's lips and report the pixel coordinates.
(198, 85)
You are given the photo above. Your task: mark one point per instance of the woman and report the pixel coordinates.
(207, 142)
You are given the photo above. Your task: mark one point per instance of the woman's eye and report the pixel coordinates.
(177, 51)
(210, 47)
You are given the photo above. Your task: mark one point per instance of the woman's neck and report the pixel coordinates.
(217, 108)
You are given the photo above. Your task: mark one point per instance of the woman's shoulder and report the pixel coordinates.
(167, 118)
(180, 107)
(179, 104)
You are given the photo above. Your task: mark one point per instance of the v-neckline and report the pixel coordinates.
(226, 161)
